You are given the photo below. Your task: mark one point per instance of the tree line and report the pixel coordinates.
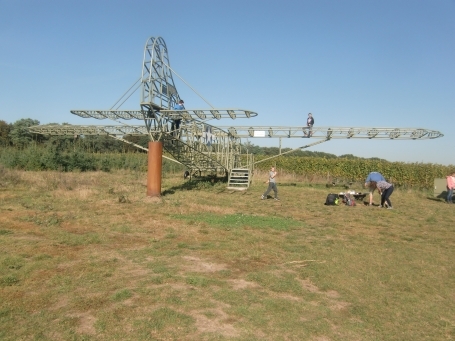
(21, 149)
(18, 136)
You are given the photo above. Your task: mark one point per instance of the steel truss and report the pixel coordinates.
(202, 114)
(203, 133)
(200, 146)
(205, 148)
(333, 132)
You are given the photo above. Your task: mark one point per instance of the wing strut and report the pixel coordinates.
(293, 150)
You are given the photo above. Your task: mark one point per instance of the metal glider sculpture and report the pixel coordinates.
(190, 138)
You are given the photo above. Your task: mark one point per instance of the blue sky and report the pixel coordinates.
(350, 63)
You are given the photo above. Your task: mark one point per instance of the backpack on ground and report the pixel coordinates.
(349, 200)
(332, 199)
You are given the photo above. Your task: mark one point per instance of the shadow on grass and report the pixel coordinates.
(198, 184)
(442, 200)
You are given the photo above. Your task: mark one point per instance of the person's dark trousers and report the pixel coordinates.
(385, 196)
(175, 126)
(272, 185)
(449, 196)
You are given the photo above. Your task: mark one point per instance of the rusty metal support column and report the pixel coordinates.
(154, 168)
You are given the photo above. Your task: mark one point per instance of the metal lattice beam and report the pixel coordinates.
(193, 130)
(333, 132)
(77, 130)
(207, 148)
(193, 114)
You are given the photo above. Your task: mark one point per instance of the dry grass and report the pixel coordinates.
(87, 256)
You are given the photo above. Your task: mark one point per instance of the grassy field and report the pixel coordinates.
(87, 256)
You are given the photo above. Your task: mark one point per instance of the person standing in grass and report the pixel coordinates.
(450, 187)
(385, 189)
(373, 176)
(272, 184)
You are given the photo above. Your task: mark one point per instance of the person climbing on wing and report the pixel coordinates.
(176, 122)
(309, 124)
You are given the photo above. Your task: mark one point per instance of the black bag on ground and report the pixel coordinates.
(332, 199)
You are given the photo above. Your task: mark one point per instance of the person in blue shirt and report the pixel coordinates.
(373, 176)
(175, 126)
(179, 105)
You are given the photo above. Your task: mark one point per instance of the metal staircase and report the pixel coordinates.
(190, 155)
(239, 179)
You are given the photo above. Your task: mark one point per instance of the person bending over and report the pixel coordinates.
(385, 189)
(373, 176)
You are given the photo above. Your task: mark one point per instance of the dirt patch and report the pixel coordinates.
(217, 323)
(86, 323)
(336, 306)
(153, 200)
(79, 193)
(61, 303)
(306, 284)
(321, 338)
(332, 294)
(198, 265)
(289, 297)
(239, 284)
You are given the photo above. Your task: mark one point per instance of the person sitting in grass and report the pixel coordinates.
(385, 189)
